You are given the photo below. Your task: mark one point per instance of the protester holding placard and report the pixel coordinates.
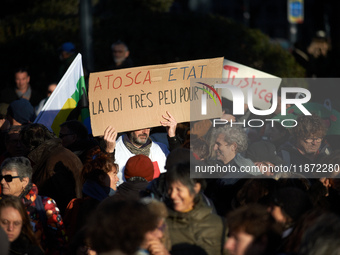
(138, 142)
(134, 143)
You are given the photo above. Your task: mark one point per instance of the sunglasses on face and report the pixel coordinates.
(8, 177)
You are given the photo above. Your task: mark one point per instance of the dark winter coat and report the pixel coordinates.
(56, 172)
(198, 231)
(23, 246)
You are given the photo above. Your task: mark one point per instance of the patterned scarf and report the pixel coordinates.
(145, 149)
(29, 194)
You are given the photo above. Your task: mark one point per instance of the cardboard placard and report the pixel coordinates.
(244, 77)
(136, 98)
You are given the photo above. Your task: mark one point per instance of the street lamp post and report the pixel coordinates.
(86, 34)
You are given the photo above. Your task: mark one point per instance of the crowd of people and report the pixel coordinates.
(139, 192)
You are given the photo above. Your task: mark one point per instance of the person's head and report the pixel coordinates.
(120, 226)
(13, 144)
(252, 230)
(277, 134)
(16, 174)
(177, 156)
(228, 142)
(101, 168)
(35, 134)
(72, 131)
(183, 191)
(263, 154)
(293, 241)
(322, 237)
(139, 137)
(120, 52)
(309, 134)
(22, 79)
(66, 50)
(160, 211)
(51, 88)
(200, 148)
(139, 166)
(289, 204)
(20, 112)
(14, 219)
(254, 190)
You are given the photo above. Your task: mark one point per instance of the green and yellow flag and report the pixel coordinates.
(68, 101)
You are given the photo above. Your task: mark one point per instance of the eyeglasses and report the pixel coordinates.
(310, 140)
(61, 136)
(162, 227)
(7, 223)
(8, 177)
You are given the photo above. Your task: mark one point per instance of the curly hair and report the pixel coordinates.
(234, 134)
(120, 226)
(255, 220)
(309, 125)
(97, 163)
(200, 147)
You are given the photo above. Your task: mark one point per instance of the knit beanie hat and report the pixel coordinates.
(22, 111)
(139, 165)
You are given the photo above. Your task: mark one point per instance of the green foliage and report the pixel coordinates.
(128, 6)
(163, 38)
(32, 36)
(155, 36)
